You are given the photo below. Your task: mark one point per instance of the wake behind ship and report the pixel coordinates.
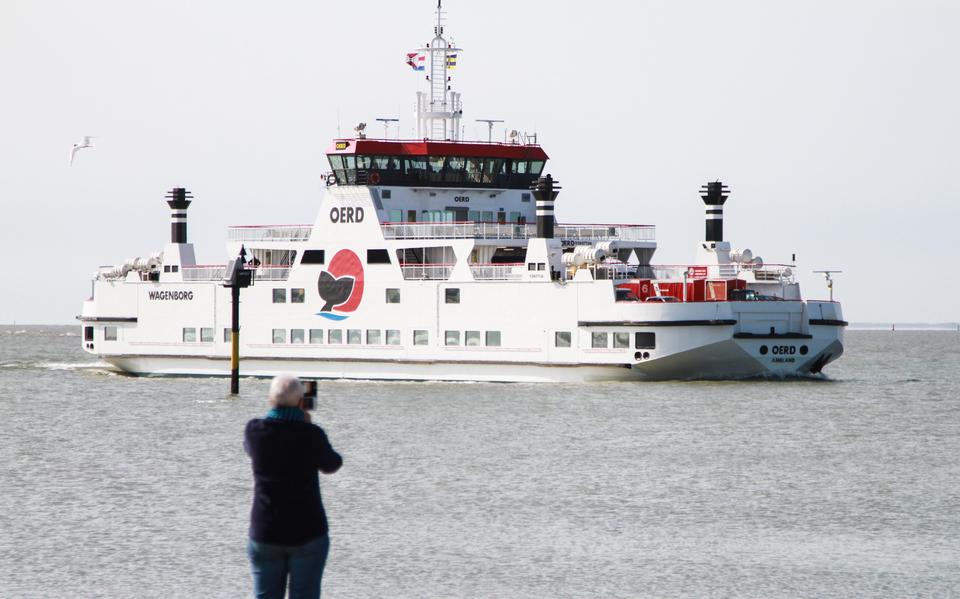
(440, 259)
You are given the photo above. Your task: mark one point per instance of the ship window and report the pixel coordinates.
(189, 335)
(279, 335)
(621, 340)
(226, 335)
(473, 215)
(109, 333)
(393, 337)
(474, 170)
(412, 216)
(206, 335)
(335, 336)
(312, 257)
(532, 266)
(396, 216)
(296, 296)
(393, 296)
(451, 338)
(421, 337)
(296, 336)
(336, 162)
(541, 266)
(524, 197)
(373, 336)
(452, 295)
(364, 162)
(536, 167)
(175, 268)
(88, 333)
(598, 340)
(385, 194)
(471, 338)
(166, 268)
(646, 341)
(493, 338)
(316, 336)
(520, 167)
(279, 296)
(378, 257)
(561, 339)
(354, 337)
(515, 218)
(487, 216)
(380, 162)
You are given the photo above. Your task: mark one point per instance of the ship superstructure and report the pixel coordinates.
(441, 259)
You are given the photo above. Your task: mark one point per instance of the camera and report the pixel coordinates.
(309, 395)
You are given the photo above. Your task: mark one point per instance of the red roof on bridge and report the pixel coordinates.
(469, 149)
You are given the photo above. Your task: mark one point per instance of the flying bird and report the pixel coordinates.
(84, 143)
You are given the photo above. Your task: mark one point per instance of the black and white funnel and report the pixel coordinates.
(179, 201)
(714, 195)
(545, 190)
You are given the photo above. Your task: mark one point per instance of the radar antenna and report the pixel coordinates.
(489, 123)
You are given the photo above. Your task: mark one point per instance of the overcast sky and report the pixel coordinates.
(835, 123)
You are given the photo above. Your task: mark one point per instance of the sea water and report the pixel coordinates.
(848, 486)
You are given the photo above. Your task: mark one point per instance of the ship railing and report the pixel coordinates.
(426, 271)
(214, 272)
(247, 233)
(496, 230)
(593, 233)
(497, 272)
(204, 272)
(776, 273)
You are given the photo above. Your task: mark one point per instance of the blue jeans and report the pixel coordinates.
(302, 563)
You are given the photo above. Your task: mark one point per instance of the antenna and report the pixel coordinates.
(826, 274)
(386, 123)
(439, 109)
(489, 123)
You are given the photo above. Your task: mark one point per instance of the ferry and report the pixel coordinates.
(440, 259)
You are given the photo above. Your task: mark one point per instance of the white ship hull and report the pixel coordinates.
(722, 360)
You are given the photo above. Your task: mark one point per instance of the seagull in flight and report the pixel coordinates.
(84, 143)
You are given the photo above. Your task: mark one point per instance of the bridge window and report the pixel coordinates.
(536, 167)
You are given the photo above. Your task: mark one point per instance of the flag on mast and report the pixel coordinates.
(451, 61)
(416, 60)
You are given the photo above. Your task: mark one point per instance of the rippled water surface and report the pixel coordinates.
(113, 486)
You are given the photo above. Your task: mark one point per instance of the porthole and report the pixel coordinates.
(803, 350)
(646, 355)
(763, 350)
(638, 356)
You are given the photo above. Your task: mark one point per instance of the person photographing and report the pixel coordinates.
(288, 526)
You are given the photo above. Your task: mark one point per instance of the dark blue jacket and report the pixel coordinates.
(286, 456)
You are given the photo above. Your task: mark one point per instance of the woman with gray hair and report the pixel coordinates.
(288, 525)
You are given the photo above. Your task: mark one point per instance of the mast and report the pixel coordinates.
(438, 115)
